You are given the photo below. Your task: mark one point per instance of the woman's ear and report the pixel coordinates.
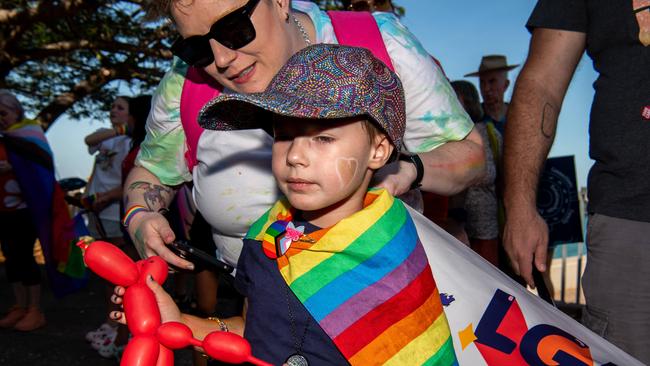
(283, 7)
(382, 150)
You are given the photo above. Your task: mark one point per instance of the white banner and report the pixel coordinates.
(496, 322)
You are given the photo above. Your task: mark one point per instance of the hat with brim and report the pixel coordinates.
(492, 63)
(320, 82)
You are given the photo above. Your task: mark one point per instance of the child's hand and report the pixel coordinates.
(168, 310)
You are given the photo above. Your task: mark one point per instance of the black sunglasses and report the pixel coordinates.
(235, 30)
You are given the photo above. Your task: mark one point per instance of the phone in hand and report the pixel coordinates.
(201, 259)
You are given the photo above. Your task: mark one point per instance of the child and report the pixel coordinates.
(333, 274)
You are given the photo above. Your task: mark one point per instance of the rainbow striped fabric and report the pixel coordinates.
(368, 283)
(33, 164)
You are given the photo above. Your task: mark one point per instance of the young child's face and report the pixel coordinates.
(325, 165)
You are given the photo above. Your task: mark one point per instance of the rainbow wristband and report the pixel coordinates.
(131, 212)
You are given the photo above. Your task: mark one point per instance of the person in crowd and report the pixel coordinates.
(108, 343)
(321, 238)
(476, 209)
(102, 197)
(616, 37)
(18, 229)
(493, 81)
(189, 223)
(232, 184)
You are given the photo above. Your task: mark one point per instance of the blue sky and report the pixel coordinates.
(458, 33)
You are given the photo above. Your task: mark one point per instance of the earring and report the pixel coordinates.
(286, 19)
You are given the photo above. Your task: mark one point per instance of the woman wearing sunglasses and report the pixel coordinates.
(241, 44)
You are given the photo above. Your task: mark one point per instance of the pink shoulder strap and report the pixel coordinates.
(366, 32)
(198, 89)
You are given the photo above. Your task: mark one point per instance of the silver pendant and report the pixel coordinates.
(297, 360)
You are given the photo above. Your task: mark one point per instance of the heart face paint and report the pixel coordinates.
(346, 170)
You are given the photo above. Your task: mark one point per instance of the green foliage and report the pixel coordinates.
(66, 55)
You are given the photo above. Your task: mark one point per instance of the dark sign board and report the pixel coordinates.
(557, 201)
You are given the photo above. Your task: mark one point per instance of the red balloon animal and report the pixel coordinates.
(152, 341)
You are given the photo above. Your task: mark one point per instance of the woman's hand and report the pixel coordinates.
(169, 312)
(151, 233)
(396, 177)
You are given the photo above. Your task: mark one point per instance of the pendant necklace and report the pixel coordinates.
(296, 359)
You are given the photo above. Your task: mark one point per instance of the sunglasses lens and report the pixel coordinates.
(193, 51)
(234, 31)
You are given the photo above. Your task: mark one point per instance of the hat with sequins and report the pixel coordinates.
(320, 81)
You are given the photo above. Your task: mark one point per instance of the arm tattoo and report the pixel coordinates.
(153, 194)
(547, 129)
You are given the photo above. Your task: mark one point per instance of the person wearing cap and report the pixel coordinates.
(493, 83)
(616, 36)
(232, 177)
(326, 266)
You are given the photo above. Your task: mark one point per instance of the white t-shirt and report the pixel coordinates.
(107, 171)
(233, 183)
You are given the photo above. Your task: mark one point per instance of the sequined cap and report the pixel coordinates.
(322, 81)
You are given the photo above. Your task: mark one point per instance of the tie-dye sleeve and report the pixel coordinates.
(434, 115)
(163, 150)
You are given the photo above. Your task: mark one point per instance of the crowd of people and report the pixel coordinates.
(279, 140)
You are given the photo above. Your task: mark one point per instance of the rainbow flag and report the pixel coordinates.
(368, 283)
(32, 162)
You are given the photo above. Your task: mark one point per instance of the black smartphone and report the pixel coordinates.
(201, 259)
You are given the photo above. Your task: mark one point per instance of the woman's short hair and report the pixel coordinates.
(9, 100)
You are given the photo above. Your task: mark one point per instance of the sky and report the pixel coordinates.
(457, 33)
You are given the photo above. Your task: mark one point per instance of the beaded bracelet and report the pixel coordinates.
(222, 326)
(131, 212)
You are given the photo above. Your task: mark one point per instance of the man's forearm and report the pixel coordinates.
(143, 188)
(534, 110)
(530, 131)
(454, 166)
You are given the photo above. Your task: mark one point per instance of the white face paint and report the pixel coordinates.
(346, 170)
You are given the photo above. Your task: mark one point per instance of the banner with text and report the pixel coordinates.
(495, 321)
